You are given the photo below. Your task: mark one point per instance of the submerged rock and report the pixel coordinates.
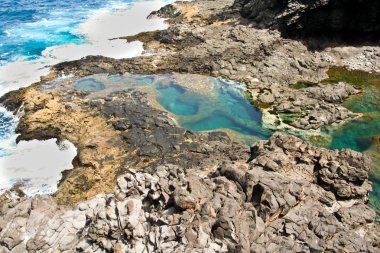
(142, 184)
(312, 107)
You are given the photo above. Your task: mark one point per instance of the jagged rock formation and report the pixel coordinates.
(292, 197)
(311, 107)
(192, 191)
(204, 37)
(111, 133)
(354, 19)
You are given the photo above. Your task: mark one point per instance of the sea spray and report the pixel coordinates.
(99, 35)
(36, 165)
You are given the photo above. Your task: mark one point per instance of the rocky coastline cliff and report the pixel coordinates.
(141, 183)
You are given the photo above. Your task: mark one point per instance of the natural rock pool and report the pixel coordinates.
(201, 103)
(362, 134)
(198, 103)
(89, 85)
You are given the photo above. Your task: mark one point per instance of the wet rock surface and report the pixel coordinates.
(155, 138)
(272, 204)
(111, 133)
(211, 37)
(142, 184)
(309, 108)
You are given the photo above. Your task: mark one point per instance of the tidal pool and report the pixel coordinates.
(362, 134)
(201, 103)
(198, 103)
(90, 85)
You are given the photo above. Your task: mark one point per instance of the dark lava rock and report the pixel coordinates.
(153, 135)
(348, 19)
(233, 208)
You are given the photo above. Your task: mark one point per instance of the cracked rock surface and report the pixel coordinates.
(291, 197)
(142, 184)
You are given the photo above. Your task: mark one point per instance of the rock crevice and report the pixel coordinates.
(257, 207)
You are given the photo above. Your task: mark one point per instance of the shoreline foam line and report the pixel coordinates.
(99, 31)
(37, 165)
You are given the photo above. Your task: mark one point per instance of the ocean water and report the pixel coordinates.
(8, 122)
(35, 35)
(27, 28)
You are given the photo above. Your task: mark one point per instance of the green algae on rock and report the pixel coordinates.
(302, 84)
(359, 134)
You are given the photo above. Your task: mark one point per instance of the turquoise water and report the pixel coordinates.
(223, 106)
(355, 135)
(29, 27)
(90, 85)
(229, 110)
(144, 80)
(175, 99)
(362, 134)
(116, 78)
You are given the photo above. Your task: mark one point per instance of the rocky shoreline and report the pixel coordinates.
(216, 41)
(291, 197)
(140, 183)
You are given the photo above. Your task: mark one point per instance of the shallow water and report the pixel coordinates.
(222, 106)
(362, 134)
(218, 105)
(358, 134)
(89, 85)
(175, 99)
(35, 35)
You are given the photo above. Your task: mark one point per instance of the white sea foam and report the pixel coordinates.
(19, 74)
(117, 49)
(36, 166)
(101, 31)
(104, 24)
